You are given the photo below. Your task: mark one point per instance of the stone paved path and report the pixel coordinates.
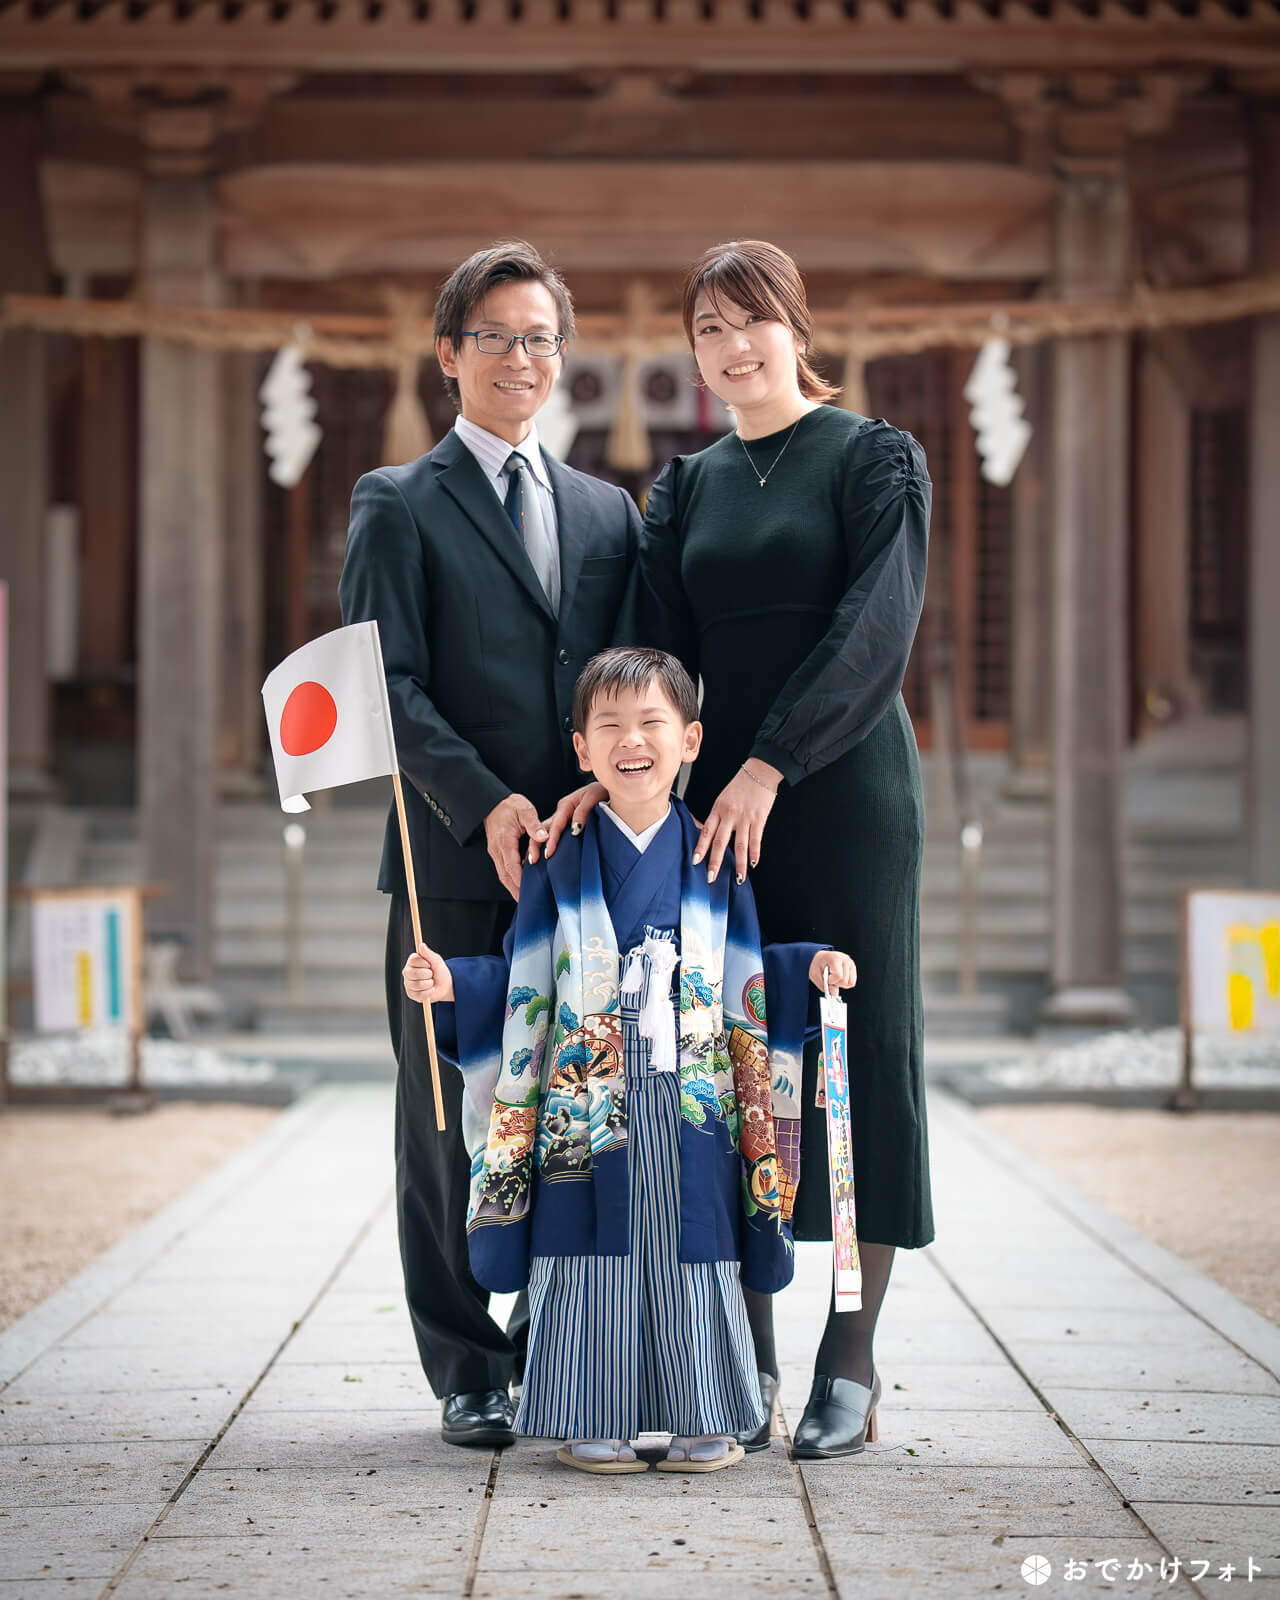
(228, 1404)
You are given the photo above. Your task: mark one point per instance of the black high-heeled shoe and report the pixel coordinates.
(759, 1440)
(839, 1420)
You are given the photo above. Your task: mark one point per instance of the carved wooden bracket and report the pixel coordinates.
(178, 113)
(1088, 114)
(627, 109)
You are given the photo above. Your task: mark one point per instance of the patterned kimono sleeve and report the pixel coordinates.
(752, 1035)
(792, 1022)
(469, 1033)
(511, 1041)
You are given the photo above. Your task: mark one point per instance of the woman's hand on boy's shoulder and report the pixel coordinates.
(571, 813)
(427, 977)
(735, 826)
(837, 967)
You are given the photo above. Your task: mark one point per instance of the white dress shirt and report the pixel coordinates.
(493, 454)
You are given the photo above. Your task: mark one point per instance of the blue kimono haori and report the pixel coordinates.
(633, 1116)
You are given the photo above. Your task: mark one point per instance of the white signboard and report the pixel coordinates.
(1233, 961)
(84, 960)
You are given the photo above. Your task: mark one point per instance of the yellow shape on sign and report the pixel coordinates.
(1254, 956)
(1239, 1002)
(1269, 939)
(84, 988)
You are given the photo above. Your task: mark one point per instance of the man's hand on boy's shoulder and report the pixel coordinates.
(427, 977)
(836, 967)
(571, 813)
(510, 821)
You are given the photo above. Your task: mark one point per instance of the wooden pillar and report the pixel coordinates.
(1263, 786)
(24, 453)
(1090, 512)
(180, 577)
(1167, 689)
(240, 743)
(297, 628)
(108, 506)
(1031, 620)
(963, 500)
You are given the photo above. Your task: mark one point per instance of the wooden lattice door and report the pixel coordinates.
(967, 600)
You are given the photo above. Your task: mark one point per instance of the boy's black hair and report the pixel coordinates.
(634, 668)
(512, 261)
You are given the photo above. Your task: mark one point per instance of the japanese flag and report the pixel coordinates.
(329, 715)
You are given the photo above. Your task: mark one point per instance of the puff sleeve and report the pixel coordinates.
(848, 681)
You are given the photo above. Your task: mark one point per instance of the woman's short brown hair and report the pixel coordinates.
(763, 281)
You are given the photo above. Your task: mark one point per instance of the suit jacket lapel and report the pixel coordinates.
(460, 476)
(573, 514)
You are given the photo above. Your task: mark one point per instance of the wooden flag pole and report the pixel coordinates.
(417, 940)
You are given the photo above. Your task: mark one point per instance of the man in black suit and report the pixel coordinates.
(494, 572)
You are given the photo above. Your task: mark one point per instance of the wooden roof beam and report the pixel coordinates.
(397, 36)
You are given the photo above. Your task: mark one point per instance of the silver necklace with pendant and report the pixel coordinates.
(765, 477)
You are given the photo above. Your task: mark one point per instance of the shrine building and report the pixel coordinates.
(1101, 634)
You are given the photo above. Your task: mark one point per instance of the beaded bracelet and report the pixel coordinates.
(760, 781)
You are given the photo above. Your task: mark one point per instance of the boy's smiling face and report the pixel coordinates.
(634, 744)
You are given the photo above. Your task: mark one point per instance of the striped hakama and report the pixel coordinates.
(641, 1343)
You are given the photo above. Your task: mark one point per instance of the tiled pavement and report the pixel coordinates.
(228, 1404)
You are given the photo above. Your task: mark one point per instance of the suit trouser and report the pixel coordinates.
(459, 1344)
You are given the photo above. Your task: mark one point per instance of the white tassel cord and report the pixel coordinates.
(657, 1021)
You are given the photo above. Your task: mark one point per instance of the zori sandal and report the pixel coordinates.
(601, 1456)
(694, 1454)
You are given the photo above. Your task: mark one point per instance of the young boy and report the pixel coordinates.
(628, 1170)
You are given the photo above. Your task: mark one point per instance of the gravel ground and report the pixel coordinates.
(74, 1181)
(1204, 1185)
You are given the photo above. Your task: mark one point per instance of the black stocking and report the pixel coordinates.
(760, 1316)
(846, 1348)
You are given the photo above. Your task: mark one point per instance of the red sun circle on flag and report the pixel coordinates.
(309, 717)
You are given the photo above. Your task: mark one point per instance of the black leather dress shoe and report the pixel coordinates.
(838, 1420)
(482, 1417)
(759, 1438)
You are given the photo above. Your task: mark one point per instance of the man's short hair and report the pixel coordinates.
(628, 667)
(512, 261)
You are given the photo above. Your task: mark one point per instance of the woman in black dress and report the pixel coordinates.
(785, 565)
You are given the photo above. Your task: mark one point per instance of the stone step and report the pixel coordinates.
(1177, 858)
(245, 859)
(253, 963)
(250, 821)
(255, 902)
(260, 890)
(335, 1008)
(1018, 943)
(364, 916)
(344, 917)
(1142, 919)
(245, 960)
(953, 1016)
(322, 950)
(1147, 955)
(997, 878)
(248, 864)
(943, 886)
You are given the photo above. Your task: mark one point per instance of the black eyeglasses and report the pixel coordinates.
(492, 343)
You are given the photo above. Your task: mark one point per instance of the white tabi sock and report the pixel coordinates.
(602, 1450)
(698, 1447)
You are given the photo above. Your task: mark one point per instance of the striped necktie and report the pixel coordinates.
(525, 510)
